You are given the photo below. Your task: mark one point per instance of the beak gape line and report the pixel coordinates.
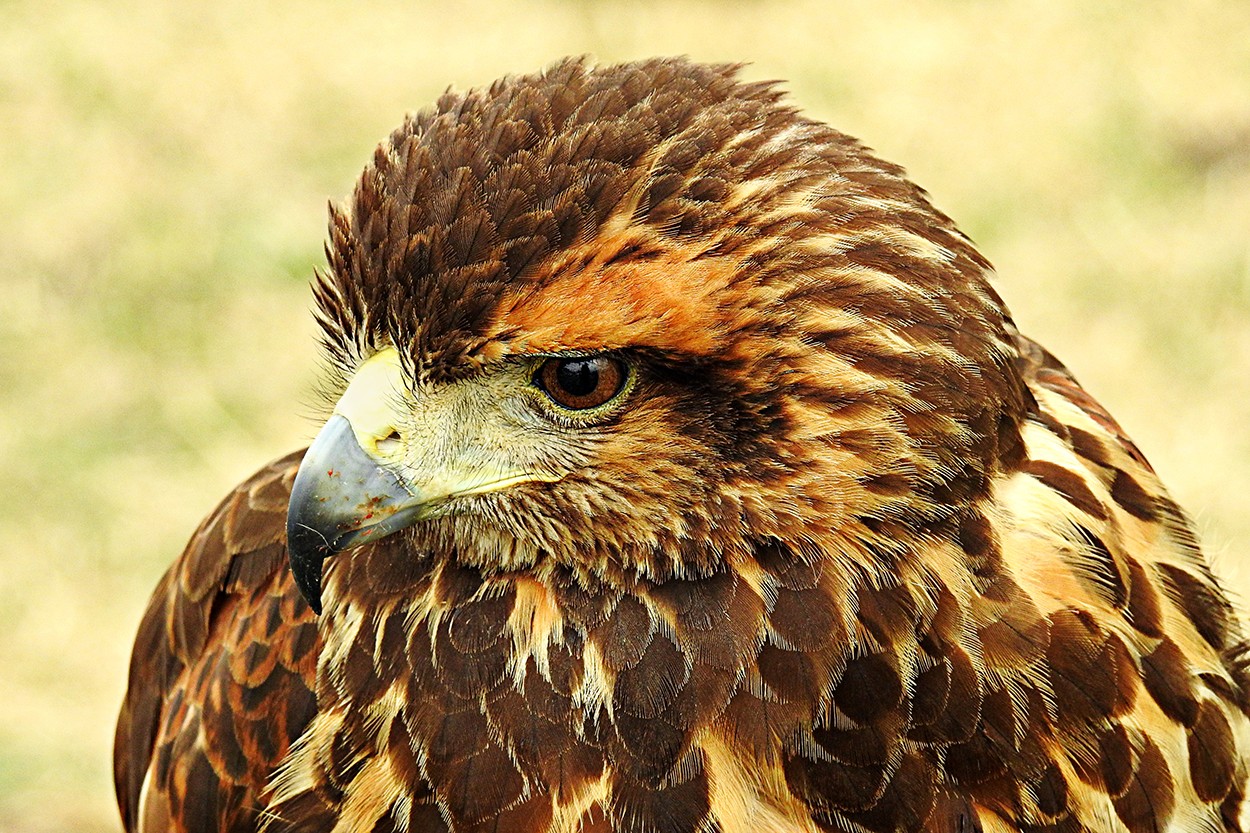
(341, 498)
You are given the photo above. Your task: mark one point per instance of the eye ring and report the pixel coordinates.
(581, 383)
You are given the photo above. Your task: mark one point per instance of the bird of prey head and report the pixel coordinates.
(640, 322)
(686, 474)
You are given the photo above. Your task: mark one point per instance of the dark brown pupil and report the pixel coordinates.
(578, 377)
(581, 382)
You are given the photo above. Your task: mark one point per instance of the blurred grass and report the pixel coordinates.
(164, 169)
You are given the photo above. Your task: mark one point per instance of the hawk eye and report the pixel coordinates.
(581, 382)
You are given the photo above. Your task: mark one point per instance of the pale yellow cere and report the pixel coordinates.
(374, 403)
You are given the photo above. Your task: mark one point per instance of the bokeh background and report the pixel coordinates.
(164, 171)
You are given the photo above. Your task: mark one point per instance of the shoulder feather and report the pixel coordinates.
(222, 673)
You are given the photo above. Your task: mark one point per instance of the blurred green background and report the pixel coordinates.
(164, 171)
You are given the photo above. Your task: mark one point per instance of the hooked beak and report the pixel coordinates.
(341, 498)
(391, 456)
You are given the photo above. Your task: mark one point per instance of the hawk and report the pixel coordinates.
(686, 474)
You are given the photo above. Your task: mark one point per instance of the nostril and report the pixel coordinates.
(390, 443)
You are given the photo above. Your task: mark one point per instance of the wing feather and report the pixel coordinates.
(222, 674)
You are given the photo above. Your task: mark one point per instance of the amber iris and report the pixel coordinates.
(581, 382)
